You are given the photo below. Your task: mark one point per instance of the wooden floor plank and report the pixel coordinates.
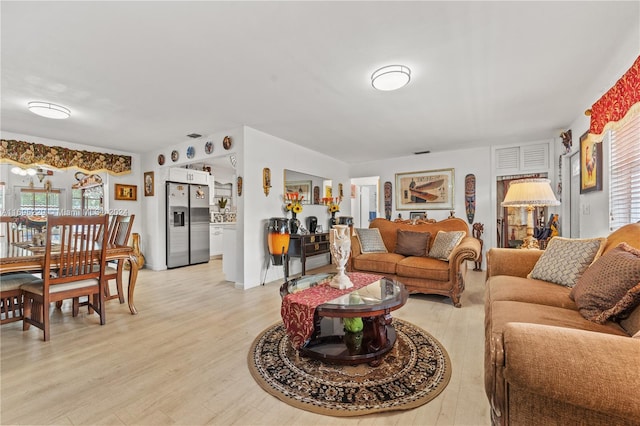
(182, 359)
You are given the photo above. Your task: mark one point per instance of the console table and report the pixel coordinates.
(308, 245)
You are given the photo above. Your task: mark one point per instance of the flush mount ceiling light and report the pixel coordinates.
(49, 110)
(391, 77)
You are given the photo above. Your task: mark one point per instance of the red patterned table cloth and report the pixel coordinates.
(298, 309)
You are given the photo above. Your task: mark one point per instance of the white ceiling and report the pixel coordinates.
(139, 76)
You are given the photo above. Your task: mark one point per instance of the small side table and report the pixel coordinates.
(307, 245)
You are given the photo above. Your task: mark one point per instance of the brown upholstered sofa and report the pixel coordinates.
(419, 274)
(544, 362)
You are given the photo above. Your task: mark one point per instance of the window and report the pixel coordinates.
(38, 202)
(624, 191)
(2, 205)
(86, 201)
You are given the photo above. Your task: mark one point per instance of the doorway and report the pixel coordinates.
(365, 200)
(512, 221)
(574, 196)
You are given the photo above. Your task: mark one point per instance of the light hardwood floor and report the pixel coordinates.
(182, 359)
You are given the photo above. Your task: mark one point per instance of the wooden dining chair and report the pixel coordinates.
(11, 232)
(119, 232)
(11, 295)
(78, 265)
(10, 292)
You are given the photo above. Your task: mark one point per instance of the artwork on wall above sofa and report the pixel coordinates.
(431, 189)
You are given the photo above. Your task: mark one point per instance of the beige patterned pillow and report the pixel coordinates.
(566, 259)
(444, 244)
(611, 286)
(370, 240)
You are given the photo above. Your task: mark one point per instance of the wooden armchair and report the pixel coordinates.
(79, 266)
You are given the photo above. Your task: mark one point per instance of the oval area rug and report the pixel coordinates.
(414, 372)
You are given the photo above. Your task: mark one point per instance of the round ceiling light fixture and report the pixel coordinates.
(391, 77)
(49, 110)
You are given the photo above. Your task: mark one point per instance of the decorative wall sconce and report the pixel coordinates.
(239, 186)
(266, 180)
(567, 140)
(340, 191)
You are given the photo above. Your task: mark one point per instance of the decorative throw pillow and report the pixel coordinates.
(611, 286)
(370, 240)
(411, 243)
(566, 259)
(444, 244)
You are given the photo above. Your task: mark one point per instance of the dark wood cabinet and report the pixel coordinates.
(303, 246)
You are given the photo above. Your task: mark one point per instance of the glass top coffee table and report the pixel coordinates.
(365, 311)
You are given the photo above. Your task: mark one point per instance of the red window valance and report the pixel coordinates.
(34, 154)
(618, 104)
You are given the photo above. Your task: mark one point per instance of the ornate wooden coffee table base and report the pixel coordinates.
(325, 336)
(370, 345)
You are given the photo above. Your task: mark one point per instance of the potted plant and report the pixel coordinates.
(222, 203)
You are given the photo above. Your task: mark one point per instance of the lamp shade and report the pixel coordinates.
(530, 192)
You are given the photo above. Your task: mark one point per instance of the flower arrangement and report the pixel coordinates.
(333, 204)
(293, 202)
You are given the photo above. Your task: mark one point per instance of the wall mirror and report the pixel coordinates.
(47, 190)
(313, 188)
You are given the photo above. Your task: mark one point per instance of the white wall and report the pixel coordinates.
(594, 206)
(154, 207)
(133, 178)
(474, 160)
(263, 150)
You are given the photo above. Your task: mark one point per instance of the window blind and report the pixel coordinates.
(624, 191)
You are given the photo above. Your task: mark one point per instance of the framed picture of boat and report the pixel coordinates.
(426, 190)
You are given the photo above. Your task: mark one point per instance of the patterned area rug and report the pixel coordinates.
(414, 372)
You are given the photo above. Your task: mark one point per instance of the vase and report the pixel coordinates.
(294, 223)
(353, 341)
(340, 247)
(332, 221)
(278, 239)
(136, 250)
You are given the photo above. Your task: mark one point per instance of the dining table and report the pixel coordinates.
(15, 257)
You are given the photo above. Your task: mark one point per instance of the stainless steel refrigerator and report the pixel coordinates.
(187, 224)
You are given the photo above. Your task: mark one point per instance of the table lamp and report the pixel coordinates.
(530, 193)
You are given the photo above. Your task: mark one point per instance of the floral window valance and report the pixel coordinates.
(33, 154)
(618, 105)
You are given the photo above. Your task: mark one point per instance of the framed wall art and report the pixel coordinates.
(425, 190)
(417, 215)
(126, 192)
(148, 184)
(590, 165)
(302, 187)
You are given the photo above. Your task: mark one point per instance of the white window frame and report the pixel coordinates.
(624, 177)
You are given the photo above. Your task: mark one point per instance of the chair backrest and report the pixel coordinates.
(107, 229)
(120, 229)
(6, 222)
(15, 233)
(80, 249)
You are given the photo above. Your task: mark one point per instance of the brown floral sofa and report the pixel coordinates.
(545, 362)
(419, 274)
